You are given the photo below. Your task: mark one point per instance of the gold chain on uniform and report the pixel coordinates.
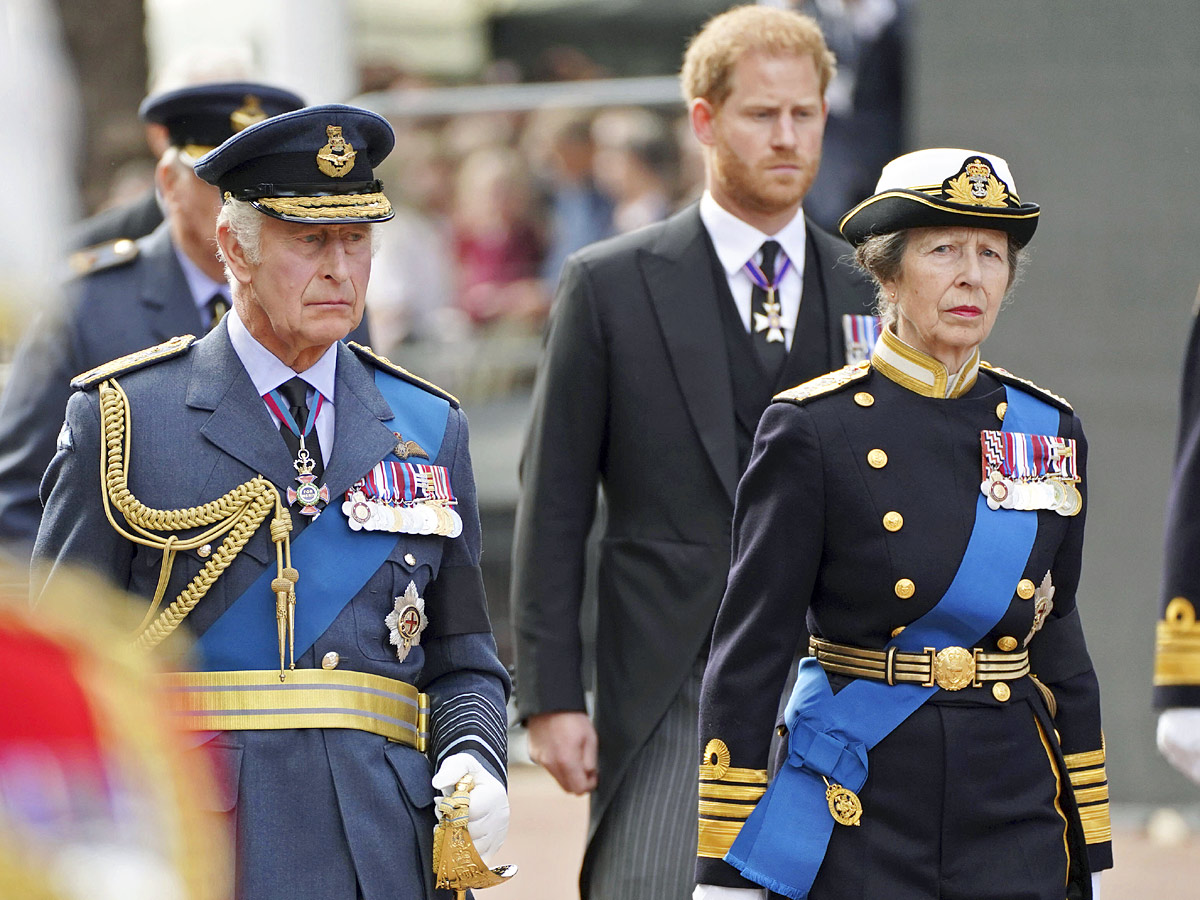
(236, 515)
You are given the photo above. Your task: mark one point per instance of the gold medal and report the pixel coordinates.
(844, 805)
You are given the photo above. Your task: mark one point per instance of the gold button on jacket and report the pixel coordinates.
(330, 660)
(893, 521)
(877, 459)
(1025, 588)
(905, 588)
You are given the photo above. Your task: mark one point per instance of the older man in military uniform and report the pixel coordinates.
(344, 648)
(128, 295)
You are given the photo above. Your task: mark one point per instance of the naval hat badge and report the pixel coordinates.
(336, 158)
(976, 184)
(406, 621)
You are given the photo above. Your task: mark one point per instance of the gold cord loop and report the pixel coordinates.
(235, 516)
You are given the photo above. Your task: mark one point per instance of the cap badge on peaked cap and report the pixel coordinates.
(247, 114)
(336, 158)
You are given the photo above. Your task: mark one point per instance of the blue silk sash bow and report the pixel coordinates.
(334, 562)
(782, 843)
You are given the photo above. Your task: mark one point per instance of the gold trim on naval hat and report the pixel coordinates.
(1177, 645)
(336, 158)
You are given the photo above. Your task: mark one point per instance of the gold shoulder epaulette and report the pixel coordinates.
(1009, 378)
(108, 255)
(382, 362)
(825, 384)
(136, 360)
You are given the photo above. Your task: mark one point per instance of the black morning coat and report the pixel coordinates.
(636, 394)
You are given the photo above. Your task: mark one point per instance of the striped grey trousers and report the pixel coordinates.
(645, 848)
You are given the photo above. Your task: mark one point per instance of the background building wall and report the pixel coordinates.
(1095, 107)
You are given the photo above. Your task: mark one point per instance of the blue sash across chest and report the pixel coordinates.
(782, 843)
(334, 562)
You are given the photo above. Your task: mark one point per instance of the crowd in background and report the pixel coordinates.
(489, 205)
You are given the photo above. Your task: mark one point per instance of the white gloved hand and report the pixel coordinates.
(1096, 885)
(716, 892)
(487, 820)
(1179, 739)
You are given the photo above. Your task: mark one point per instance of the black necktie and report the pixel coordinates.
(764, 316)
(216, 307)
(295, 392)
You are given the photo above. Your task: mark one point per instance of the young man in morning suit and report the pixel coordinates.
(665, 347)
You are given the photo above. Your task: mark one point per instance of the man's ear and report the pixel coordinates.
(233, 253)
(701, 115)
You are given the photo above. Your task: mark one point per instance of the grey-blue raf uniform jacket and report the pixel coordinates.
(319, 813)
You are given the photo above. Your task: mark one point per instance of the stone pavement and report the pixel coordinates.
(548, 827)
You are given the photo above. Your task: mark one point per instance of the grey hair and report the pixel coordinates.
(245, 224)
(881, 255)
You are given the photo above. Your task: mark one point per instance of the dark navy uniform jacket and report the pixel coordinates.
(810, 541)
(128, 301)
(1177, 657)
(319, 813)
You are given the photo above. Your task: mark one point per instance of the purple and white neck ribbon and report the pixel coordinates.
(756, 275)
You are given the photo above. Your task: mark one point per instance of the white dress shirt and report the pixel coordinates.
(268, 372)
(737, 242)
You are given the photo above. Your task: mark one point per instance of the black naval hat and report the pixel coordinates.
(312, 164)
(943, 187)
(202, 116)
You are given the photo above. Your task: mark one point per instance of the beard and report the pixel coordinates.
(758, 189)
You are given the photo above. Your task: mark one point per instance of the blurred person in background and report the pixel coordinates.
(637, 164)
(664, 348)
(411, 298)
(101, 797)
(128, 294)
(867, 112)
(1177, 655)
(498, 243)
(132, 217)
(562, 151)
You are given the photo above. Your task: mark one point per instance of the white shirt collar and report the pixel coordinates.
(201, 286)
(266, 369)
(736, 241)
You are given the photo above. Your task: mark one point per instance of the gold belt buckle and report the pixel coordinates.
(953, 668)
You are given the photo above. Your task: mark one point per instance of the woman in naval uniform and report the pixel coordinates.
(924, 512)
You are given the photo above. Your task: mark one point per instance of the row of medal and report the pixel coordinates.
(1030, 471)
(1054, 494)
(423, 517)
(406, 498)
